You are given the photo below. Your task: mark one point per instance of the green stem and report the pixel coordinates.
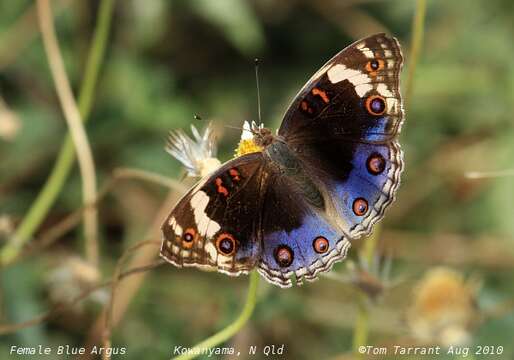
(418, 25)
(230, 330)
(370, 245)
(66, 158)
(95, 57)
(360, 333)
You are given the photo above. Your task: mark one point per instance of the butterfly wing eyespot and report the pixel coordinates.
(375, 164)
(360, 206)
(284, 256)
(374, 66)
(187, 238)
(226, 244)
(375, 105)
(320, 245)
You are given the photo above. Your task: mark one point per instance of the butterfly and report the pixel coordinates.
(292, 208)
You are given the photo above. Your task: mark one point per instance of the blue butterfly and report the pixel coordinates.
(292, 208)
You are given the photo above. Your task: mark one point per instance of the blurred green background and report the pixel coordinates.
(168, 60)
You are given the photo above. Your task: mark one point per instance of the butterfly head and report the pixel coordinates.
(263, 137)
(253, 139)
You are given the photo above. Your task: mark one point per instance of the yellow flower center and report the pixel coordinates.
(247, 146)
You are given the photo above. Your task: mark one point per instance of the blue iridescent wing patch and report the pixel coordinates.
(299, 242)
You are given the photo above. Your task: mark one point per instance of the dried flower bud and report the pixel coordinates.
(443, 310)
(197, 154)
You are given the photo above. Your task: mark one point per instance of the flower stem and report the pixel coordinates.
(360, 332)
(66, 158)
(234, 327)
(370, 245)
(75, 126)
(418, 26)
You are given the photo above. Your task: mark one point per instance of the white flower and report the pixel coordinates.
(250, 129)
(197, 154)
(247, 143)
(247, 131)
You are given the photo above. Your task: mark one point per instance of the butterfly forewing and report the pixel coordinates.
(215, 225)
(354, 96)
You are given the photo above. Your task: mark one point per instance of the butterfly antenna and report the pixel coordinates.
(258, 90)
(233, 127)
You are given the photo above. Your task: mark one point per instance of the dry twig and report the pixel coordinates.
(75, 125)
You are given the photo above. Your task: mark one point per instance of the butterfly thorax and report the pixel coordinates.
(286, 162)
(277, 151)
(283, 157)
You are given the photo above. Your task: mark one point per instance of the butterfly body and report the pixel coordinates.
(291, 209)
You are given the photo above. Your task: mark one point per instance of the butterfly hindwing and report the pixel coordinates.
(298, 240)
(215, 225)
